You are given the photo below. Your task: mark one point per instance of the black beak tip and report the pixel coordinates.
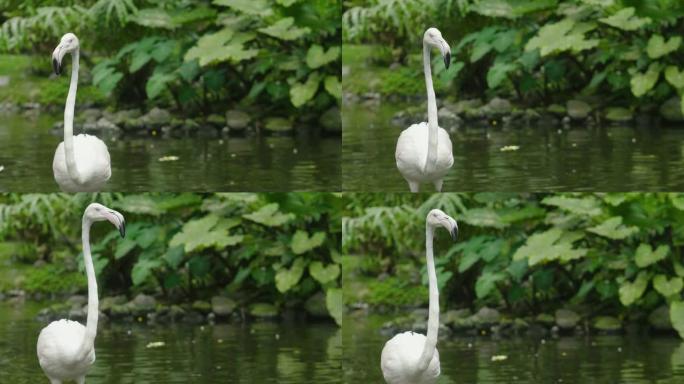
(454, 234)
(122, 229)
(447, 60)
(56, 67)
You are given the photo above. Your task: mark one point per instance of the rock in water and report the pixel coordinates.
(331, 121)
(278, 125)
(671, 110)
(237, 120)
(619, 115)
(659, 319)
(263, 310)
(578, 109)
(566, 319)
(222, 306)
(607, 324)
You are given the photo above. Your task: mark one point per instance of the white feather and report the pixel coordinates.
(92, 161)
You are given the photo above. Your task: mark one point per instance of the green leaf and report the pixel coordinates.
(139, 60)
(642, 83)
(324, 274)
(498, 73)
(645, 255)
(625, 20)
(316, 57)
(631, 292)
(585, 206)
(300, 93)
(174, 256)
(199, 234)
(551, 245)
(302, 243)
(224, 45)
(108, 83)
(674, 76)
(509, 9)
(668, 288)
(333, 86)
(486, 283)
(677, 317)
(269, 216)
(288, 278)
(565, 35)
(153, 18)
(613, 229)
(157, 83)
(335, 304)
(657, 47)
(483, 217)
(142, 270)
(284, 29)
(124, 247)
(250, 7)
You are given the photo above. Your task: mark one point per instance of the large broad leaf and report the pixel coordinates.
(224, 45)
(300, 93)
(658, 47)
(645, 255)
(510, 9)
(153, 18)
(324, 274)
(335, 304)
(286, 278)
(334, 86)
(204, 233)
(285, 29)
(565, 35)
(677, 317)
(668, 287)
(632, 291)
(250, 7)
(585, 206)
(641, 83)
(270, 216)
(483, 217)
(613, 229)
(316, 57)
(142, 270)
(157, 83)
(624, 19)
(674, 76)
(486, 283)
(498, 73)
(550, 245)
(302, 243)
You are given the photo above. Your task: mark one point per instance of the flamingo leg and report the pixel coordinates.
(438, 185)
(415, 187)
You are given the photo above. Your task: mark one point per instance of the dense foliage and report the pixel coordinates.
(539, 50)
(198, 56)
(615, 253)
(281, 248)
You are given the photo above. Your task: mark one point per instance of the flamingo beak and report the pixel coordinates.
(57, 56)
(446, 52)
(118, 221)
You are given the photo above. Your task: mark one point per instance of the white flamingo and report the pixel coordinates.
(66, 349)
(409, 357)
(81, 162)
(424, 153)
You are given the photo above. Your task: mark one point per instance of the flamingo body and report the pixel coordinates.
(59, 351)
(400, 357)
(411, 155)
(92, 161)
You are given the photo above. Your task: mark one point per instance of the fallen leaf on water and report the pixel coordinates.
(499, 357)
(168, 158)
(155, 344)
(509, 148)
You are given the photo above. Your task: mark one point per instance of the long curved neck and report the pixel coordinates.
(72, 169)
(432, 110)
(93, 304)
(433, 314)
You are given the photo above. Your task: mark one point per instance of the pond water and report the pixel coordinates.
(223, 353)
(548, 159)
(589, 359)
(305, 161)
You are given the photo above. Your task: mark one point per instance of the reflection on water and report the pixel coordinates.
(223, 353)
(549, 159)
(591, 359)
(306, 161)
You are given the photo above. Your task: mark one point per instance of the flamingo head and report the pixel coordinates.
(98, 212)
(68, 44)
(433, 37)
(436, 218)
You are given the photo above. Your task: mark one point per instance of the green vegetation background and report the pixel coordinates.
(197, 56)
(609, 52)
(617, 254)
(276, 248)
